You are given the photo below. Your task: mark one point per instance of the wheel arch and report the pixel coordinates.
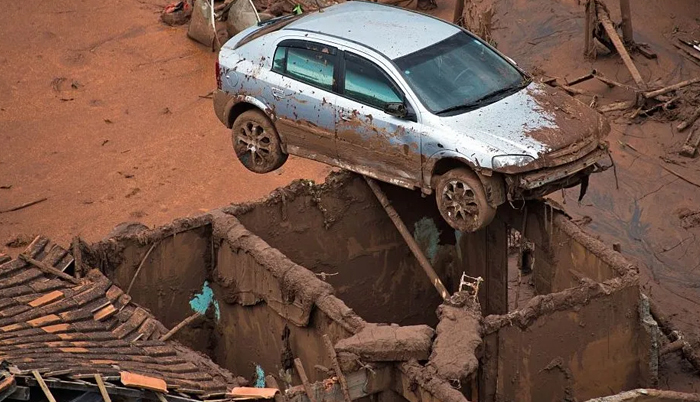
(242, 103)
(493, 182)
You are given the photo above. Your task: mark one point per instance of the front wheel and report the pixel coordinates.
(462, 201)
(257, 143)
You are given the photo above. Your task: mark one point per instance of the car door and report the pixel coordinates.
(301, 95)
(368, 136)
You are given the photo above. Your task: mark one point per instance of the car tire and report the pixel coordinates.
(256, 142)
(462, 201)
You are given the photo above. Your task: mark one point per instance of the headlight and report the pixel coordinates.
(502, 161)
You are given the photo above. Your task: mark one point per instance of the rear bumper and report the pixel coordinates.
(544, 181)
(222, 102)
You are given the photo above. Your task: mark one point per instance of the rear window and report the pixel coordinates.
(268, 26)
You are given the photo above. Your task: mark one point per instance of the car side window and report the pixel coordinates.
(367, 83)
(314, 67)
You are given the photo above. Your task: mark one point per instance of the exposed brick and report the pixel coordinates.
(12, 327)
(142, 381)
(47, 298)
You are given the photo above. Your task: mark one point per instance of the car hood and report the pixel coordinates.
(534, 121)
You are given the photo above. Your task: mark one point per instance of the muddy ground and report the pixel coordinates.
(100, 112)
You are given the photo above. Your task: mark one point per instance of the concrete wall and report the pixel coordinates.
(564, 254)
(339, 228)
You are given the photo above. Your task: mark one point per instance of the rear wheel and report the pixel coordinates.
(462, 201)
(256, 142)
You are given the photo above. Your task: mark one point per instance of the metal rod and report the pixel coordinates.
(412, 244)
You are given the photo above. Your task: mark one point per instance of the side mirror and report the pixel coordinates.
(396, 109)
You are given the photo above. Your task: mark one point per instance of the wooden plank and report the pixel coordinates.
(304, 379)
(361, 384)
(43, 386)
(621, 50)
(46, 299)
(103, 389)
(45, 268)
(336, 367)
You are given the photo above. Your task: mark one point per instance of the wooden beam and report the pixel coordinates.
(408, 238)
(620, 47)
(180, 326)
(47, 269)
(336, 368)
(670, 88)
(43, 386)
(627, 33)
(103, 389)
(304, 379)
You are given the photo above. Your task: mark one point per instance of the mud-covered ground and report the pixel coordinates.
(100, 112)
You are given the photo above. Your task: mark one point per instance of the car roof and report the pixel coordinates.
(392, 31)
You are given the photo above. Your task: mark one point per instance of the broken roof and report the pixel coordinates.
(72, 331)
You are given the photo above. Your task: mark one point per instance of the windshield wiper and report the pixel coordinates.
(490, 95)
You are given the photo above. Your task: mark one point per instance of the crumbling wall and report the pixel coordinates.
(564, 254)
(340, 229)
(173, 264)
(572, 345)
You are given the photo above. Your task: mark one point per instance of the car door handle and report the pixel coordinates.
(277, 93)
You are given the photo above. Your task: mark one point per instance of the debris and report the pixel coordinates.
(691, 144)
(19, 240)
(336, 366)
(457, 341)
(43, 386)
(141, 381)
(48, 269)
(670, 88)
(689, 121)
(22, 206)
(245, 393)
(176, 13)
(209, 95)
(615, 106)
(108, 121)
(689, 218)
(179, 326)
(389, 343)
(401, 227)
(304, 380)
(5, 186)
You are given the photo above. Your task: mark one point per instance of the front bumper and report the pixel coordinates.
(544, 181)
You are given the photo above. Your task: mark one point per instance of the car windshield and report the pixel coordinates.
(458, 74)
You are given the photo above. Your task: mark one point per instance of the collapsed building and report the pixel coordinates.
(313, 291)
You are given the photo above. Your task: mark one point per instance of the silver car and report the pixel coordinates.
(407, 99)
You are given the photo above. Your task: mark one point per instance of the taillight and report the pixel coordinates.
(218, 75)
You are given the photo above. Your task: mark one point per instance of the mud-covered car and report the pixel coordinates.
(407, 99)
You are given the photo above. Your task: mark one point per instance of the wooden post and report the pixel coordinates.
(138, 270)
(620, 47)
(412, 244)
(304, 380)
(459, 9)
(43, 386)
(589, 45)
(103, 389)
(77, 257)
(627, 34)
(336, 368)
